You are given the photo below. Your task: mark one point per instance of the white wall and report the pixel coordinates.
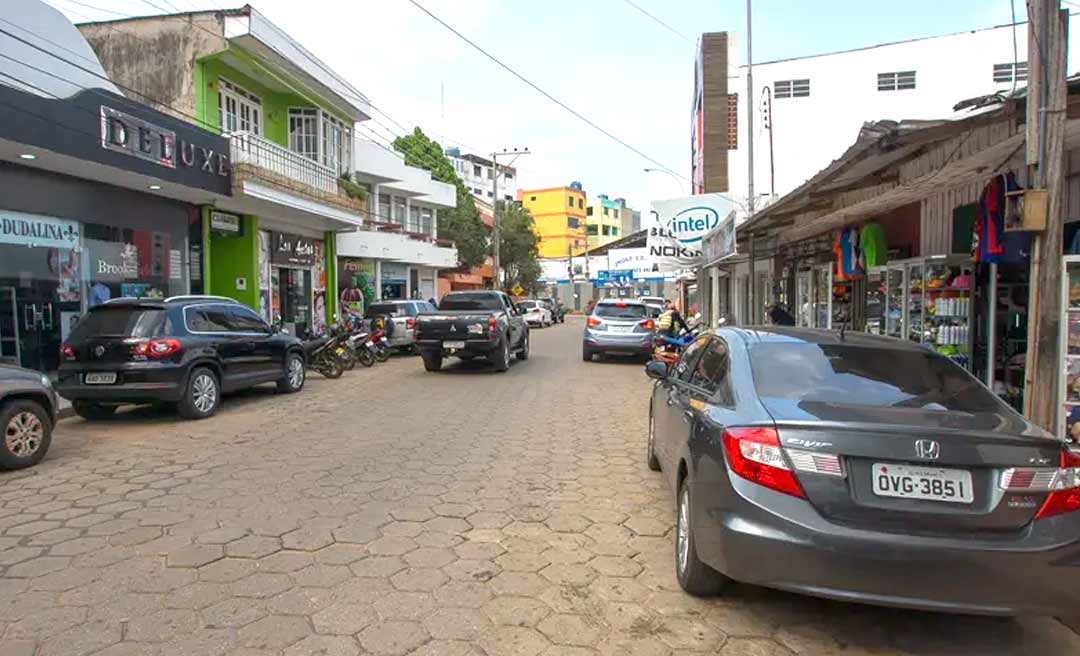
(811, 132)
(466, 171)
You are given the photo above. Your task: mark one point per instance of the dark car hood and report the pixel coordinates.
(12, 372)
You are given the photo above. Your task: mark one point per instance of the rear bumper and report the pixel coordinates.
(790, 546)
(472, 347)
(630, 343)
(152, 382)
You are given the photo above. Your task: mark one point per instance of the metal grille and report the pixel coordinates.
(1007, 72)
(791, 88)
(248, 148)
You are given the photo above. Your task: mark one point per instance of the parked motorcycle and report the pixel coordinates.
(322, 355)
(363, 348)
(380, 339)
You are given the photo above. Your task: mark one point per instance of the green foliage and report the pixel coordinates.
(461, 224)
(352, 188)
(518, 248)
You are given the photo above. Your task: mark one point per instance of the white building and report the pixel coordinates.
(399, 252)
(478, 174)
(820, 101)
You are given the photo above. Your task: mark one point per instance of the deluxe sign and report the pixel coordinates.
(292, 249)
(130, 135)
(35, 230)
(678, 227)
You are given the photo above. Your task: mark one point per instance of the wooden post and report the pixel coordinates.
(1046, 101)
(751, 301)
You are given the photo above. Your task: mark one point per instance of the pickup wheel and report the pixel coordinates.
(523, 354)
(501, 359)
(432, 361)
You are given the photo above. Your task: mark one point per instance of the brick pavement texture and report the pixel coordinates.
(394, 512)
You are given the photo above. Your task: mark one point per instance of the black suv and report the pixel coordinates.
(186, 350)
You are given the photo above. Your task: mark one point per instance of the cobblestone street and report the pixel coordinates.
(400, 512)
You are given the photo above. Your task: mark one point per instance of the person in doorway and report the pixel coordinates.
(781, 317)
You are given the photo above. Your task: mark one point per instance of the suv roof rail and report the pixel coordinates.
(131, 299)
(199, 297)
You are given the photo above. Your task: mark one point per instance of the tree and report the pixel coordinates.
(461, 224)
(518, 247)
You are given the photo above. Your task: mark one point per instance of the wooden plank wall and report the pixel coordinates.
(714, 53)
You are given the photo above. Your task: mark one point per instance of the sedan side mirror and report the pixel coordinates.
(656, 369)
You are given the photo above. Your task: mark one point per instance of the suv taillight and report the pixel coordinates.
(156, 348)
(648, 324)
(492, 323)
(1065, 490)
(755, 454)
(67, 351)
(410, 323)
(592, 322)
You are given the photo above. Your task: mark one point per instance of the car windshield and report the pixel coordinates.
(119, 321)
(466, 302)
(790, 375)
(620, 311)
(385, 309)
(529, 304)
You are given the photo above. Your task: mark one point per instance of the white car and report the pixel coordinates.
(536, 313)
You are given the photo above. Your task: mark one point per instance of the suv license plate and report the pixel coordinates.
(454, 345)
(107, 378)
(928, 483)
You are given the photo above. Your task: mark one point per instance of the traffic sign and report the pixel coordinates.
(516, 290)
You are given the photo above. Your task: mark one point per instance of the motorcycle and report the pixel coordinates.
(379, 339)
(322, 355)
(668, 349)
(362, 347)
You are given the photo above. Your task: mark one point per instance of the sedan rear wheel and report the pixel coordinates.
(694, 576)
(650, 452)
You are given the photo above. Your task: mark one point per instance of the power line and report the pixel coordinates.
(661, 23)
(87, 6)
(547, 95)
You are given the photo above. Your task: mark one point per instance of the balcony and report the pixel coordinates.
(258, 158)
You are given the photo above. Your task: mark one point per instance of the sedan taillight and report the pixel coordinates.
(1065, 489)
(755, 454)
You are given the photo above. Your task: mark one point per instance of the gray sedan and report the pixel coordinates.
(618, 327)
(861, 468)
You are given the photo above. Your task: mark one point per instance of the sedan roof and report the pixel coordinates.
(764, 334)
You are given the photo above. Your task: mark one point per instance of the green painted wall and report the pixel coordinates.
(236, 257)
(275, 104)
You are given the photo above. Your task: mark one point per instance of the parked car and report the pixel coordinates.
(558, 310)
(186, 350)
(652, 300)
(860, 468)
(402, 334)
(618, 327)
(536, 313)
(473, 324)
(28, 407)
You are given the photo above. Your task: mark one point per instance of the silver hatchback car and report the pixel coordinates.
(618, 327)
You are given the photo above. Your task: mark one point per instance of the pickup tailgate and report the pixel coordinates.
(453, 325)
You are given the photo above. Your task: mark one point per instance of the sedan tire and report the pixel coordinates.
(650, 451)
(202, 396)
(694, 576)
(27, 433)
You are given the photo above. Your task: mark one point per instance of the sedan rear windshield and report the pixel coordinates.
(119, 321)
(794, 376)
(469, 302)
(620, 311)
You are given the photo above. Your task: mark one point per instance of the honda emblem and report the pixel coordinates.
(927, 449)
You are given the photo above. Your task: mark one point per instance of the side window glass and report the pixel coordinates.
(711, 371)
(684, 368)
(244, 320)
(208, 319)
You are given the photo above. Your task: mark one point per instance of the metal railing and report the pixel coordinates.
(248, 148)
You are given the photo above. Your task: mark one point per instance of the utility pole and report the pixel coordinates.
(495, 206)
(1046, 103)
(749, 111)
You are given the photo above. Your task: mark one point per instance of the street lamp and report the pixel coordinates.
(682, 186)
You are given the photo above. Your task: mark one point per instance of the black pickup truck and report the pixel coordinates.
(472, 324)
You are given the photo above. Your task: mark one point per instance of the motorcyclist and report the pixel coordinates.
(670, 322)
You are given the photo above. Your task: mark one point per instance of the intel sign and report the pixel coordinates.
(690, 225)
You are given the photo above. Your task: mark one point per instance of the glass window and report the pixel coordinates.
(414, 219)
(388, 309)
(427, 221)
(476, 171)
(572, 222)
(802, 374)
(588, 211)
(711, 371)
(384, 209)
(570, 201)
(606, 211)
(466, 301)
(336, 152)
(304, 132)
(581, 203)
(620, 310)
(238, 110)
(399, 210)
(684, 368)
(208, 319)
(119, 321)
(244, 320)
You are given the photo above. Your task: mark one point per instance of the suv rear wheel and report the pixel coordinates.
(93, 411)
(27, 433)
(293, 380)
(202, 395)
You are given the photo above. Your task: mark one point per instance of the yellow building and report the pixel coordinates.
(604, 220)
(559, 216)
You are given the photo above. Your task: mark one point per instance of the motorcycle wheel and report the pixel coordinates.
(382, 355)
(330, 367)
(365, 357)
(348, 359)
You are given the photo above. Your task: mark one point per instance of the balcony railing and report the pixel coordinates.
(248, 148)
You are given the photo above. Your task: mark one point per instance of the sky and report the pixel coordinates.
(604, 58)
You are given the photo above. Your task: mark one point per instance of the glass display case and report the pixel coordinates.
(947, 307)
(914, 321)
(875, 301)
(822, 296)
(1070, 326)
(896, 294)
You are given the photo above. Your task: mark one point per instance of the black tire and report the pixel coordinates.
(293, 380)
(348, 359)
(27, 434)
(382, 354)
(694, 576)
(586, 355)
(330, 366)
(523, 352)
(501, 358)
(432, 361)
(93, 411)
(202, 395)
(650, 451)
(364, 357)
(467, 358)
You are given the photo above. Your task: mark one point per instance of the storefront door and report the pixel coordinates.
(292, 294)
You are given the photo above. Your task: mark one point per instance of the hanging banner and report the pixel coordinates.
(720, 243)
(677, 227)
